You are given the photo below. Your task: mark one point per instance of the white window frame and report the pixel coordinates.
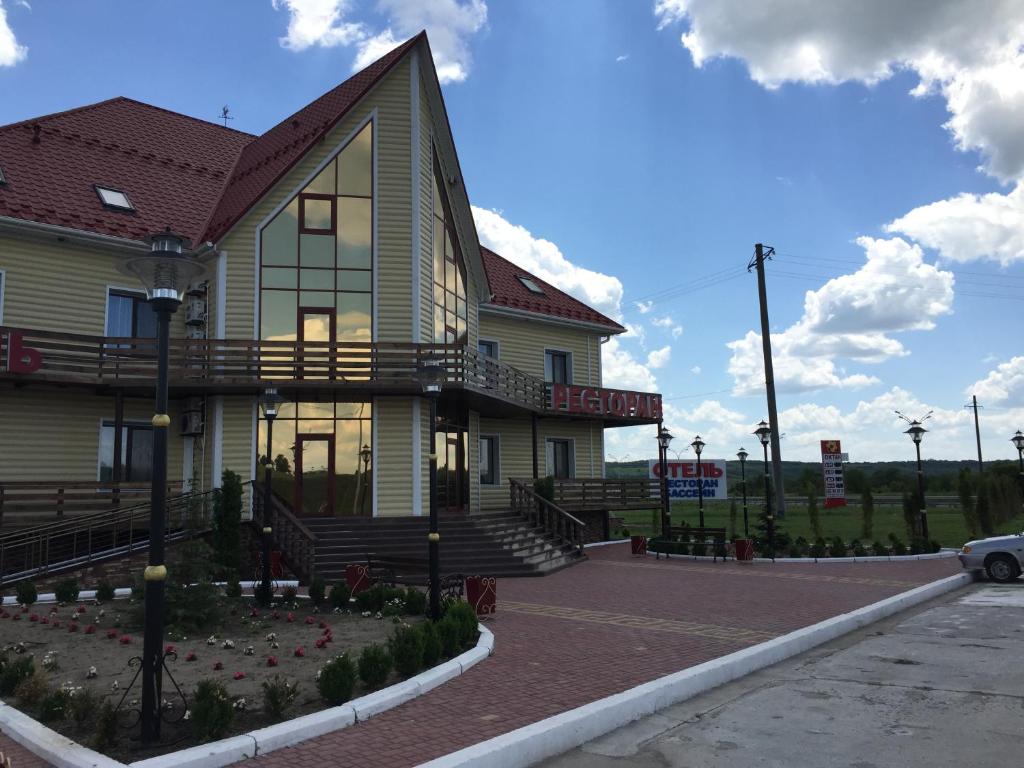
(100, 189)
(568, 363)
(497, 459)
(111, 422)
(549, 471)
(495, 342)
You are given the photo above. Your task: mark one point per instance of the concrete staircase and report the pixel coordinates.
(486, 544)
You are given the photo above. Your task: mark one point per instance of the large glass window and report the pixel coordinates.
(129, 315)
(450, 325)
(136, 452)
(489, 460)
(560, 458)
(557, 366)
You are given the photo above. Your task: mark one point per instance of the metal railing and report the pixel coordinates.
(549, 517)
(596, 493)
(30, 552)
(296, 542)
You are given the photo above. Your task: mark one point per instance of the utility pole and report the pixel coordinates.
(760, 254)
(977, 429)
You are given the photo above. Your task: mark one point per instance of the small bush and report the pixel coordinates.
(288, 595)
(190, 609)
(406, 647)
(898, 547)
(106, 729)
(801, 543)
(278, 697)
(14, 672)
(317, 590)
(374, 666)
(138, 590)
(82, 705)
(104, 592)
(464, 616)
(26, 592)
(795, 551)
(54, 706)
(837, 548)
(66, 591)
(431, 644)
(880, 549)
(32, 690)
(233, 589)
(448, 633)
(375, 598)
(339, 596)
(917, 545)
(337, 679)
(818, 548)
(415, 602)
(934, 546)
(264, 593)
(858, 548)
(212, 710)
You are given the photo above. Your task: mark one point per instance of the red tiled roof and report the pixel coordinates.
(507, 290)
(268, 158)
(171, 166)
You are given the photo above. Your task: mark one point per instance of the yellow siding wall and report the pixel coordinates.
(62, 287)
(393, 455)
(40, 442)
(522, 344)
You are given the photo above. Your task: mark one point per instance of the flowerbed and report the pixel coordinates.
(69, 665)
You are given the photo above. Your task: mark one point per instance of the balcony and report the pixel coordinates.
(356, 370)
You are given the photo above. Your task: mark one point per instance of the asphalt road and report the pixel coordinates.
(941, 685)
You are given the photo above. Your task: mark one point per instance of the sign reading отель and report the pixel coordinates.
(596, 401)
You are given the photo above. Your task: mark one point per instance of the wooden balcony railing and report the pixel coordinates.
(35, 502)
(596, 493)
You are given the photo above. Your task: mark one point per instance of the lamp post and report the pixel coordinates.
(664, 438)
(431, 374)
(742, 456)
(165, 272)
(764, 434)
(365, 454)
(270, 400)
(1018, 442)
(916, 432)
(698, 446)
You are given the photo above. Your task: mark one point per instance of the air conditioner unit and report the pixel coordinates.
(193, 422)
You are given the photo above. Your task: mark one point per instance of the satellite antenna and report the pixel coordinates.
(225, 116)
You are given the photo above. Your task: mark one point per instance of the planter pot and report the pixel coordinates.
(744, 550)
(638, 545)
(482, 594)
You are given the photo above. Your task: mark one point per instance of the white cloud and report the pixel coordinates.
(644, 306)
(663, 322)
(695, 370)
(677, 332)
(1004, 385)
(449, 25)
(970, 52)
(849, 317)
(621, 370)
(658, 358)
(544, 259)
(970, 227)
(11, 51)
(622, 57)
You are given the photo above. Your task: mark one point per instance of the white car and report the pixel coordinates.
(1001, 557)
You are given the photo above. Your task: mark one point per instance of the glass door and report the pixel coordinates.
(314, 475)
(452, 469)
(315, 359)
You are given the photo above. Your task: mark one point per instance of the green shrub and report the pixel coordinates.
(464, 616)
(374, 666)
(106, 730)
(802, 544)
(212, 710)
(54, 706)
(190, 609)
(545, 487)
(26, 592)
(918, 545)
(337, 679)
(448, 633)
(898, 547)
(818, 548)
(82, 705)
(317, 590)
(934, 546)
(415, 602)
(339, 596)
(32, 690)
(858, 548)
(406, 648)
(227, 523)
(288, 595)
(66, 591)
(104, 592)
(431, 644)
(264, 594)
(837, 548)
(14, 671)
(795, 551)
(278, 697)
(233, 589)
(138, 590)
(374, 598)
(880, 549)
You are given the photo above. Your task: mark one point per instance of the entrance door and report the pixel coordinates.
(316, 329)
(452, 468)
(314, 475)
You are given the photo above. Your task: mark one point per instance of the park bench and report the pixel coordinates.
(687, 533)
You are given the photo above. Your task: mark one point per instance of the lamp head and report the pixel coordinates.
(431, 374)
(664, 437)
(270, 401)
(916, 431)
(167, 270)
(365, 453)
(697, 445)
(741, 454)
(1018, 440)
(763, 432)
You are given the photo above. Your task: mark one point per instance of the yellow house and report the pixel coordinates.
(341, 253)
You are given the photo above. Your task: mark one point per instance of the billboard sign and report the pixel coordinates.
(682, 478)
(832, 468)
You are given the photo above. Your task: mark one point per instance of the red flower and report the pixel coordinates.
(4, 615)
(90, 630)
(320, 642)
(238, 675)
(24, 609)
(34, 617)
(310, 620)
(191, 656)
(290, 617)
(218, 666)
(254, 613)
(45, 620)
(271, 661)
(80, 609)
(125, 639)
(300, 651)
(169, 649)
(111, 633)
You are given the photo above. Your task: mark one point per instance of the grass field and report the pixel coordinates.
(945, 524)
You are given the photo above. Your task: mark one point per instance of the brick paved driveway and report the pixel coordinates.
(599, 628)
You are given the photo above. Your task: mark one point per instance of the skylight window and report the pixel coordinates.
(531, 286)
(114, 198)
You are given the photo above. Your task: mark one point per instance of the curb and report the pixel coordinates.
(944, 553)
(567, 730)
(62, 752)
(90, 594)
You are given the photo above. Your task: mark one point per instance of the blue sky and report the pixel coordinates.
(597, 145)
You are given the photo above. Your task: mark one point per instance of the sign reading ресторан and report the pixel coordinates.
(682, 478)
(597, 401)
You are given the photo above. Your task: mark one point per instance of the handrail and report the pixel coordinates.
(297, 542)
(31, 551)
(546, 515)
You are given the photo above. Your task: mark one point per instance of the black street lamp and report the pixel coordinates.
(366, 455)
(742, 456)
(764, 434)
(1018, 441)
(431, 374)
(270, 401)
(916, 432)
(664, 438)
(165, 272)
(698, 446)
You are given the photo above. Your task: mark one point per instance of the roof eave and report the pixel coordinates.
(497, 309)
